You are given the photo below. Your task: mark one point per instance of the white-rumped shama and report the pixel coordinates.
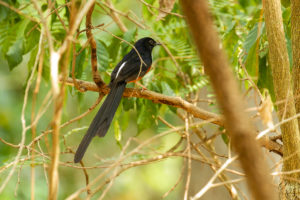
(131, 68)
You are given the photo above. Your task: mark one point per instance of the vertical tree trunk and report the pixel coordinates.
(229, 99)
(278, 58)
(295, 20)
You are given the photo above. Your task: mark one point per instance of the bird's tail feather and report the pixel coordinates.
(103, 119)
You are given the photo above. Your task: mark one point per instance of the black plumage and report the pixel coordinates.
(132, 67)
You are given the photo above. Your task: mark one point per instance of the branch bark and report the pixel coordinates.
(229, 99)
(175, 102)
(155, 97)
(58, 105)
(62, 58)
(96, 77)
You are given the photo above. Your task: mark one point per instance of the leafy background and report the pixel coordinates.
(241, 27)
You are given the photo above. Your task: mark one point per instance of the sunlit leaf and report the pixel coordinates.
(252, 62)
(253, 36)
(117, 131)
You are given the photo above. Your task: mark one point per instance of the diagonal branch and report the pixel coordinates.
(156, 98)
(229, 98)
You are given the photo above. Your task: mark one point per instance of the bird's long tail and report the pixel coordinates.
(102, 120)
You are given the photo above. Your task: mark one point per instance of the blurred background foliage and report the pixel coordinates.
(176, 71)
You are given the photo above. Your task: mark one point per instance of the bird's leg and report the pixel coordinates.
(141, 85)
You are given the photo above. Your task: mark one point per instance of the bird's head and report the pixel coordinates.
(146, 42)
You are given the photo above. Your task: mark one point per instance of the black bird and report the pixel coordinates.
(131, 68)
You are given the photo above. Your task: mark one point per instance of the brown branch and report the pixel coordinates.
(63, 53)
(126, 15)
(161, 10)
(96, 77)
(175, 102)
(116, 17)
(229, 98)
(156, 98)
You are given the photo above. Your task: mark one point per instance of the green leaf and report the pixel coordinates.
(58, 30)
(14, 56)
(79, 64)
(129, 37)
(102, 55)
(253, 37)
(290, 53)
(46, 67)
(80, 95)
(31, 37)
(114, 48)
(122, 117)
(225, 138)
(286, 3)
(67, 13)
(252, 62)
(3, 12)
(147, 112)
(167, 90)
(32, 58)
(142, 119)
(265, 79)
(128, 103)
(124, 120)
(10, 34)
(244, 3)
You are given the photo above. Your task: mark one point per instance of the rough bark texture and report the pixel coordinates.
(291, 189)
(295, 21)
(278, 58)
(229, 99)
(279, 62)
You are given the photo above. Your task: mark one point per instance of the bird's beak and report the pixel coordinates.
(157, 43)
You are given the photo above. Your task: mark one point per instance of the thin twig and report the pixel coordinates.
(210, 182)
(189, 160)
(23, 120)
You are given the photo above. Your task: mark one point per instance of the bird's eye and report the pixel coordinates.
(151, 42)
